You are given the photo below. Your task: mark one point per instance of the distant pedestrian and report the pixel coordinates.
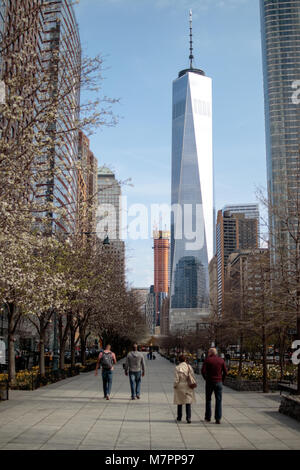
(183, 394)
(135, 367)
(106, 359)
(214, 372)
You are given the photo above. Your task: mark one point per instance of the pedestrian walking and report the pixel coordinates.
(106, 359)
(135, 367)
(214, 372)
(183, 393)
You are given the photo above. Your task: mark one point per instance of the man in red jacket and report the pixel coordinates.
(214, 372)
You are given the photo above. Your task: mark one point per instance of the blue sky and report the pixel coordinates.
(145, 43)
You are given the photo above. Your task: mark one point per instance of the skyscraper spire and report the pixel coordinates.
(191, 40)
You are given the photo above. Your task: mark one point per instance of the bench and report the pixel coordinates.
(287, 386)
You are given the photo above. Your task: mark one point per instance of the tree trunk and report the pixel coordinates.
(281, 356)
(298, 336)
(241, 355)
(62, 347)
(11, 356)
(82, 347)
(42, 353)
(72, 337)
(265, 367)
(12, 323)
(63, 336)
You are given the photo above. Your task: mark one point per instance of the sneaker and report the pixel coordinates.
(138, 397)
(188, 421)
(218, 421)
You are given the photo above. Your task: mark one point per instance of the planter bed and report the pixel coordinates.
(290, 406)
(244, 385)
(88, 367)
(34, 380)
(52, 377)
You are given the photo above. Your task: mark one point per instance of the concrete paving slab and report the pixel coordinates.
(72, 414)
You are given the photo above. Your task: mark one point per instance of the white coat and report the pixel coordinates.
(183, 394)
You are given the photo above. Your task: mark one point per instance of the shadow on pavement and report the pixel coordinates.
(284, 420)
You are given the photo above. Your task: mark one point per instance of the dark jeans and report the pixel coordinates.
(215, 387)
(135, 383)
(188, 410)
(107, 381)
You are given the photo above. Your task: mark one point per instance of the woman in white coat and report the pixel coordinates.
(183, 394)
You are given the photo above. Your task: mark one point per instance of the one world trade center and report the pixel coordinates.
(192, 216)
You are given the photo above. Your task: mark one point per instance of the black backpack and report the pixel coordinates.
(107, 360)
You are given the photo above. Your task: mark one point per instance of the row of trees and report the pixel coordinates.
(48, 265)
(89, 298)
(261, 307)
(262, 302)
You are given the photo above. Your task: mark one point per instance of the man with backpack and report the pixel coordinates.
(106, 359)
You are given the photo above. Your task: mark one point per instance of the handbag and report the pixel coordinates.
(191, 381)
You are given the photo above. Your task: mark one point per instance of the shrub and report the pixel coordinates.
(255, 372)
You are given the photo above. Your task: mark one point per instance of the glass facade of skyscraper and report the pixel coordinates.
(61, 33)
(192, 191)
(280, 26)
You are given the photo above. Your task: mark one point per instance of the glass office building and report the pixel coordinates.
(192, 220)
(280, 28)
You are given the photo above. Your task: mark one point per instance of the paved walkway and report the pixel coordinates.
(72, 414)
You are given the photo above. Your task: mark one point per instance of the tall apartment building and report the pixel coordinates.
(109, 215)
(161, 239)
(234, 232)
(87, 187)
(280, 35)
(250, 211)
(213, 284)
(246, 273)
(109, 204)
(141, 294)
(150, 310)
(61, 36)
(164, 320)
(47, 35)
(192, 187)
